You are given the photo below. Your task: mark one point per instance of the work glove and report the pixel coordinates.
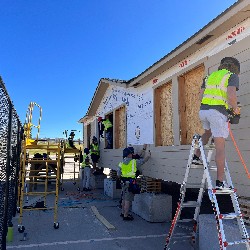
(233, 118)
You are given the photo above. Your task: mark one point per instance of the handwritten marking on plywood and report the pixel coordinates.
(139, 112)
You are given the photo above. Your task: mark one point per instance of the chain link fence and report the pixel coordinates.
(10, 148)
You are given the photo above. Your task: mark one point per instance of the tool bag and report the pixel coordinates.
(232, 117)
(134, 187)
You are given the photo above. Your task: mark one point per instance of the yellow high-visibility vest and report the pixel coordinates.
(96, 148)
(84, 157)
(215, 92)
(107, 124)
(128, 170)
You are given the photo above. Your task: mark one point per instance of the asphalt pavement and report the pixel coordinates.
(86, 221)
(81, 228)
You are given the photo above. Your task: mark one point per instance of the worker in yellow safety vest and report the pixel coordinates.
(218, 95)
(108, 128)
(95, 154)
(128, 171)
(85, 171)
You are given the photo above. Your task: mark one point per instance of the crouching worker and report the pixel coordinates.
(128, 171)
(86, 170)
(70, 143)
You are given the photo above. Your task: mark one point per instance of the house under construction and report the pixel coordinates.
(160, 106)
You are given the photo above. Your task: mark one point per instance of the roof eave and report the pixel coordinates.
(225, 21)
(101, 89)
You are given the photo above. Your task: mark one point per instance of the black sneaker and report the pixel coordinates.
(196, 160)
(129, 217)
(220, 185)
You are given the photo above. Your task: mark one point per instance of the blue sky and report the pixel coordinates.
(54, 52)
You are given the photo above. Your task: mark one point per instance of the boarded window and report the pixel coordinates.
(163, 115)
(189, 104)
(120, 127)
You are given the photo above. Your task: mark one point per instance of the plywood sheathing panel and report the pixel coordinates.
(164, 115)
(120, 127)
(182, 110)
(157, 111)
(189, 103)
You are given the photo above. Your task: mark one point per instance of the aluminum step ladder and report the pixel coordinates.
(190, 233)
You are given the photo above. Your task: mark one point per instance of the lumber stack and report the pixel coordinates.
(113, 174)
(245, 209)
(150, 185)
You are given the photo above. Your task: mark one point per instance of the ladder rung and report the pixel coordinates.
(193, 166)
(185, 220)
(193, 185)
(41, 193)
(44, 176)
(213, 168)
(223, 191)
(209, 146)
(190, 204)
(237, 242)
(181, 236)
(41, 161)
(230, 216)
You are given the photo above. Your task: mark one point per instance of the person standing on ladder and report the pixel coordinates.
(218, 94)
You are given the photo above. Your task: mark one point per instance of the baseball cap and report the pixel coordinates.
(126, 152)
(86, 151)
(72, 134)
(132, 150)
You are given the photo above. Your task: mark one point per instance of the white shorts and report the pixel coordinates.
(216, 121)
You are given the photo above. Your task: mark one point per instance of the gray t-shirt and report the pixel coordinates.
(232, 81)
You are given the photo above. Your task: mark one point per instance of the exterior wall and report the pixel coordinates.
(139, 109)
(169, 162)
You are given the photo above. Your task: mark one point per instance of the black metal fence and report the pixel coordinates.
(10, 149)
